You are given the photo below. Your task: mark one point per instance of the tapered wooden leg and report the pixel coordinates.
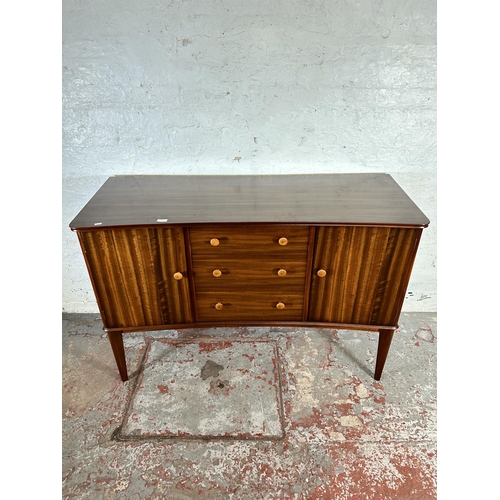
(384, 342)
(116, 341)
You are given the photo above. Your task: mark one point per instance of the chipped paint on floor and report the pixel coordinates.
(206, 389)
(347, 436)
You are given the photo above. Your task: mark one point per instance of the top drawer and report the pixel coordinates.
(250, 240)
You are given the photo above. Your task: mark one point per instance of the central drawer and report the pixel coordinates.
(230, 273)
(249, 272)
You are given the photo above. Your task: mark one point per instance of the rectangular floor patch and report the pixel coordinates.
(205, 389)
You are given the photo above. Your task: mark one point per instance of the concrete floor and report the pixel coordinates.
(249, 413)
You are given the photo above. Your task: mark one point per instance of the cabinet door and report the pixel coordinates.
(365, 273)
(132, 272)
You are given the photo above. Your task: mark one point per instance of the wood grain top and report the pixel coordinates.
(338, 199)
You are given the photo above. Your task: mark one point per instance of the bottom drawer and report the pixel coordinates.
(237, 307)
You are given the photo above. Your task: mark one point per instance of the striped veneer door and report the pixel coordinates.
(367, 272)
(132, 275)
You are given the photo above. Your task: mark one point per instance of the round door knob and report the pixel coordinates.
(280, 305)
(217, 273)
(177, 276)
(321, 273)
(282, 241)
(282, 272)
(214, 242)
(219, 306)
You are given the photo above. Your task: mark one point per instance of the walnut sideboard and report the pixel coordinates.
(322, 250)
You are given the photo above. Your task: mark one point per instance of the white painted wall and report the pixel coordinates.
(255, 87)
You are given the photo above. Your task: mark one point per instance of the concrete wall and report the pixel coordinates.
(259, 87)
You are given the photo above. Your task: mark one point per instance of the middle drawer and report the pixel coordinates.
(238, 274)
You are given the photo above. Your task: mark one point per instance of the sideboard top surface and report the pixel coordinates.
(360, 199)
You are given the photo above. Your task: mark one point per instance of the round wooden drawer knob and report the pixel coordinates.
(219, 306)
(282, 272)
(282, 241)
(177, 276)
(217, 273)
(280, 305)
(321, 273)
(214, 242)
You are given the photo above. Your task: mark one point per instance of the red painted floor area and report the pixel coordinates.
(346, 436)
